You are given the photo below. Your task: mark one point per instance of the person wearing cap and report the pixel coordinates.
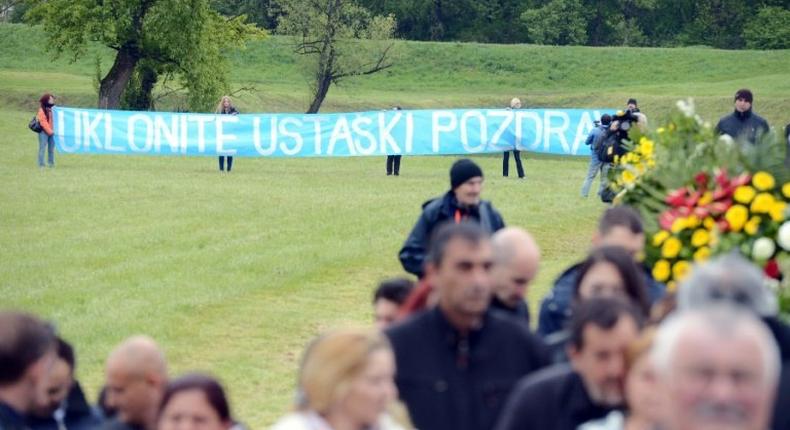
(459, 204)
(743, 123)
(515, 103)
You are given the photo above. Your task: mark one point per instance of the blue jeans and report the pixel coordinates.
(46, 141)
(596, 165)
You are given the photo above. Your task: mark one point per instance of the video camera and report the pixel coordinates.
(626, 118)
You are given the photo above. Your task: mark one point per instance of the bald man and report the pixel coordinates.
(516, 260)
(136, 379)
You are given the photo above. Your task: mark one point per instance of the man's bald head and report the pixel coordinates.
(516, 260)
(136, 378)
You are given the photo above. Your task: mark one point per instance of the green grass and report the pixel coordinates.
(234, 273)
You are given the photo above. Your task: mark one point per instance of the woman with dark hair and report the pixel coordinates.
(610, 271)
(45, 139)
(194, 402)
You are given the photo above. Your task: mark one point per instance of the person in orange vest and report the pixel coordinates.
(45, 136)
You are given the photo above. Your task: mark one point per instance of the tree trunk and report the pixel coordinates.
(322, 87)
(112, 85)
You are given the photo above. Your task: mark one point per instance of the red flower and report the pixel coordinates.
(702, 181)
(692, 199)
(701, 212)
(723, 225)
(741, 179)
(772, 269)
(721, 178)
(676, 198)
(666, 219)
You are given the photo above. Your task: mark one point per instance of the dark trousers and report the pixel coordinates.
(393, 164)
(506, 163)
(222, 162)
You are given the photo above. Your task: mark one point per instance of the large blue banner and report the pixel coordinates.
(418, 132)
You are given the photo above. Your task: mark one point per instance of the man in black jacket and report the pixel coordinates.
(26, 354)
(562, 397)
(456, 362)
(461, 203)
(743, 123)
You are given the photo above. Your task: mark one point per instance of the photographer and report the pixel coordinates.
(610, 143)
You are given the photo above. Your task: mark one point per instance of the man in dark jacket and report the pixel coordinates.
(461, 203)
(66, 406)
(26, 354)
(743, 123)
(456, 362)
(564, 396)
(619, 226)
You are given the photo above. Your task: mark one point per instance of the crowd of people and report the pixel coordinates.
(613, 349)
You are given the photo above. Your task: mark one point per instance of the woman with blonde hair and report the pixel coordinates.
(345, 383)
(225, 107)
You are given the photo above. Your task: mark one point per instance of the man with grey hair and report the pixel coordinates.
(136, 380)
(733, 280)
(516, 260)
(719, 368)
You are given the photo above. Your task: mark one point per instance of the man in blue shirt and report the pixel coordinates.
(596, 165)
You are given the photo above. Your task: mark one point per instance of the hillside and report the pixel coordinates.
(429, 74)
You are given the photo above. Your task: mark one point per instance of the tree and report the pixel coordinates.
(184, 37)
(770, 29)
(339, 39)
(559, 22)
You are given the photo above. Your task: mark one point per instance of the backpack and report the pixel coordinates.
(609, 146)
(34, 125)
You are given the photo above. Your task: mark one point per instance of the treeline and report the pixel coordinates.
(727, 24)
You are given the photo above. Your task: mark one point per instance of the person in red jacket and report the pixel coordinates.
(45, 139)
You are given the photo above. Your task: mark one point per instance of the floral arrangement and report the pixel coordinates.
(703, 195)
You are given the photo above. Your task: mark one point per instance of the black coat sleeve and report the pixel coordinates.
(521, 411)
(412, 254)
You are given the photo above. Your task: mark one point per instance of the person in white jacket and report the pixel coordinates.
(345, 383)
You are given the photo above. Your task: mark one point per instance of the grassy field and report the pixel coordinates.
(234, 273)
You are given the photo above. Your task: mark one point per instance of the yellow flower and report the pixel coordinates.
(660, 237)
(678, 225)
(652, 163)
(777, 211)
(706, 199)
(671, 247)
(693, 221)
(660, 130)
(762, 203)
(736, 217)
(763, 181)
(661, 271)
(701, 237)
(680, 270)
(752, 226)
(672, 286)
(702, 254)
(709, 223)
(672, 126)
(786, 190)
(645, 146)
(628, 177)
(744, 194)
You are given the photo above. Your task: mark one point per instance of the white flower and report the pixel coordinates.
(763, 248)
(687, 107)
(783, 236)
(726, 139)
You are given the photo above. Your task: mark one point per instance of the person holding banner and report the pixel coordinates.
(225, 107)
(393, 161)
(514, 104)
(45, 136)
